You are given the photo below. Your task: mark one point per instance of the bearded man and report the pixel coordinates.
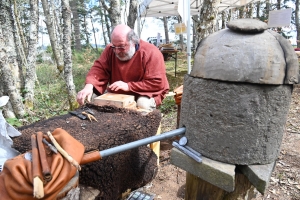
(130, 66)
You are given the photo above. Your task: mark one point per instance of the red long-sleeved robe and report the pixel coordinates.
(144, 73)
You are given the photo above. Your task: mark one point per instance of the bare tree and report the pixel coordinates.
(103, 22)
(66, 13)
(52, 35)
(94, 32)
(208, 15)
(9, 76)
(20, 33)
(76, 24)
(114, 11)
(241, 12)
(258, 9)
(57, 17)
(249, 10)
(166, 29)
(132, 15)
(30, 77)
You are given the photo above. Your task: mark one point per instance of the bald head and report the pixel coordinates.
(120, 33)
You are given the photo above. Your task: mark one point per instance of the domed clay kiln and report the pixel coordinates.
(236, 99)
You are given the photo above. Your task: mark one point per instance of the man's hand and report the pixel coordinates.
(85, 93)
(119, 85)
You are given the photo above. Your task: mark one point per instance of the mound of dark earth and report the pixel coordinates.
(114, 174)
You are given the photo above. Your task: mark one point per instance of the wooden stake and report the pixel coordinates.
(38, 188)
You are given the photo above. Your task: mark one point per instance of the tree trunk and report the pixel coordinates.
(107, 27)
(23, 48)
(114, 11)
(76, 24)
(20, 49)
(241, 12)
(103, 22)
(57, 16)
(278, 6)
(297, 20)
(7, 78)
(249, 12)
(132, 15)
(166, 30)
(208, 16)
(258, 10)
(10, 73)
(52, 36)
(94, 32)
(196, 21)
(268, 6)
(66, 13)
(223, 14)
(30, 77)
(86, 31)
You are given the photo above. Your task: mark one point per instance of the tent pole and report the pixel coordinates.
(188, 46)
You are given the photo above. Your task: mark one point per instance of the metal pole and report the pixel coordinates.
(188, 47)
(132, 145)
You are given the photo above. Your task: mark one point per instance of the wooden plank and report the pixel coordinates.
(118, 100)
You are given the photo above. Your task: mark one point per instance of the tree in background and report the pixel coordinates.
(30, 76)
(76, 24)
(56, 48)
(208, 16)
(297, 22)
(66, 13)
(10, 73)
(113, 10)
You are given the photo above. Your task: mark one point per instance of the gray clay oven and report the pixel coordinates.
(236, 99)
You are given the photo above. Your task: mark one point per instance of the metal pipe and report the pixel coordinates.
(132, 145)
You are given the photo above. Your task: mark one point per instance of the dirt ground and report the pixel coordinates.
(284, 184)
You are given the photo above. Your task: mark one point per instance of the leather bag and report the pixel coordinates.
(16, 179)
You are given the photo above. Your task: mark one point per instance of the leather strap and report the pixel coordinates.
(43, 158)
(36, 166)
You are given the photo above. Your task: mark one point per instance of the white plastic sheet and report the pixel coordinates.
(6, 131)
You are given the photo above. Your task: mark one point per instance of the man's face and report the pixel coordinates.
(124, 51)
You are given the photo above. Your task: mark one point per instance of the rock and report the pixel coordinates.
(247, 25)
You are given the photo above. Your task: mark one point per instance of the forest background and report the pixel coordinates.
(43, 81)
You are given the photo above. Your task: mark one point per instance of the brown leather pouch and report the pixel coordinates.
(16, 177)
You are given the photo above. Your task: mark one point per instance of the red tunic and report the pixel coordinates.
(144, 73)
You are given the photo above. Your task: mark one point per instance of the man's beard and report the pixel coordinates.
(128, 55)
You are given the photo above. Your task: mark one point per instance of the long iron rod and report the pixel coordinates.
(132, 145)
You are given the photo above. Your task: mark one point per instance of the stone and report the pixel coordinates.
(88, 193)
(216, 173)
(247, 25)
(235, 123)
(263, 58)
(258, 175)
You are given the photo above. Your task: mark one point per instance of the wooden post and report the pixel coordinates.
(198, 189)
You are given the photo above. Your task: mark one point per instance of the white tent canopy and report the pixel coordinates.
(160, 8)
